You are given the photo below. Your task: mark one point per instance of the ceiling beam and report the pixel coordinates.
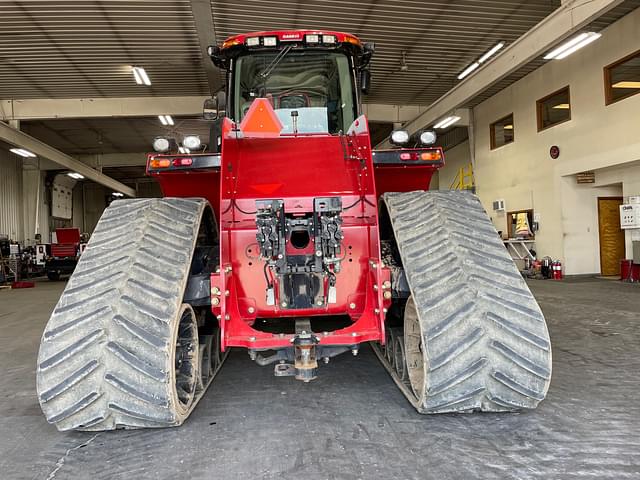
(46, 109)
(42, 109)
(206, 31)
(567, 19)
(22, 140)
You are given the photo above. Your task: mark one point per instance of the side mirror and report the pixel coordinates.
(214, 107)
(209, 109)
(365, 80)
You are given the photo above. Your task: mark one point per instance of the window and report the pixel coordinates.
(622, 79)
(316, 85)
(502, 132)
(554, 109)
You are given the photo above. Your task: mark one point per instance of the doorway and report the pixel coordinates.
(611, 235)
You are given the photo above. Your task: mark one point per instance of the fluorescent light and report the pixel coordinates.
(491, 52)
(468, 70)
(562, 106)
(626, 84)
(75, 175)
(166, 119)
(447, 122)
(183, 150)
(576, 43)
(508, 127)
(22, 152)
(140, 76)
(117, 194)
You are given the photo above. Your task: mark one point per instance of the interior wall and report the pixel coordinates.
(35, 207)
(580, 224)
(94, 204)
(455, 158)
(11, 214)
(596, 137)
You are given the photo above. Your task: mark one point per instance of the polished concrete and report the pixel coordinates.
(352, 422)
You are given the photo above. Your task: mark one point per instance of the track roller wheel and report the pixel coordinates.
(399, 363)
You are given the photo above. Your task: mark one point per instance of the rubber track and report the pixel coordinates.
(484, 339)
(104, 360)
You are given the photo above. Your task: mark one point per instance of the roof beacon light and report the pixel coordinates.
(576, 43)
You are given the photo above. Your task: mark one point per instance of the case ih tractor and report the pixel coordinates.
(290, 238)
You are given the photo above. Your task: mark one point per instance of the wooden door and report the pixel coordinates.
(611, 235)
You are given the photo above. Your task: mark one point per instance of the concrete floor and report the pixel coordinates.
(352, 422)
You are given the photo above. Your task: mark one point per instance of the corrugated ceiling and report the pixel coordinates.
(79, 48)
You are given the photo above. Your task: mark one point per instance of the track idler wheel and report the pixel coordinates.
(413, 349)
(186, 373)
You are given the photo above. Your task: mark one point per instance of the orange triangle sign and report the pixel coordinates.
(261, 120)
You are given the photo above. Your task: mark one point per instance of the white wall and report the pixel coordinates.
(455, 159)
(11, 215)
(597, 137)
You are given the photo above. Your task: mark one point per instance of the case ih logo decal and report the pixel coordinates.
(291, 36)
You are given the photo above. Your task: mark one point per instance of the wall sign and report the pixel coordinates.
(554, 151)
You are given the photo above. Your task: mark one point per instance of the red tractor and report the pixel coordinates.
(287, 236)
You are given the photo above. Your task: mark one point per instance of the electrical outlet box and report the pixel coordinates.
(630, 216)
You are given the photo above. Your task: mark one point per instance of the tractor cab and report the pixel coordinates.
(309, 77)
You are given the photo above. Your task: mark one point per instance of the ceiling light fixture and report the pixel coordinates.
(117, 194)
(569, 47)
(491, 52)
(562, 106)
(166, 119)
(77, 176)
(140, 76)
(487, 55)
(183, 150)
(22, 152)
(447, 122)
(468, 70)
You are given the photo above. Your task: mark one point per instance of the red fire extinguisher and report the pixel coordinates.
(557, 270)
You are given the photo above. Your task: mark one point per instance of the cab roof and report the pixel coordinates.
(284, 36)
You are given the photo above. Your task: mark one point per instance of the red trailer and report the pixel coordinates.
(289, 237)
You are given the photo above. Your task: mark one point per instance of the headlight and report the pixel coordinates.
(399, 137)
(428, 137)
(192, 142)
(269, 41)
(312, 38)
(160, 144)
